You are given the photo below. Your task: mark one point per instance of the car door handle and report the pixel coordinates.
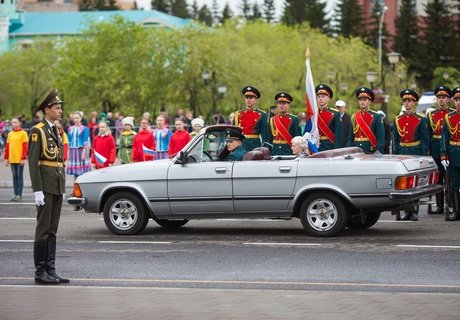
(221, 170)
(285, 169)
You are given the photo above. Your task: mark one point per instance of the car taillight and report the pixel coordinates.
(76, 191)
(406, 182)
(434, 176)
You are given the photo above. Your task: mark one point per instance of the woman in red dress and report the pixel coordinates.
(103, 148)
(179, 138)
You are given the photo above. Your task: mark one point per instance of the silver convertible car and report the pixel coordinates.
(328, 191)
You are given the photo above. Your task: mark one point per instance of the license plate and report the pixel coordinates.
(423, 180)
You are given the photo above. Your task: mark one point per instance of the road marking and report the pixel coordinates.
(21, 241)
(427, 246)
(397, 221)
(135, 242)
(18, 218)
(281, 244)
(17, 203)
(243, 282)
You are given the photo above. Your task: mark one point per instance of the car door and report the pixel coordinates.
(202, 188)
(263, 185)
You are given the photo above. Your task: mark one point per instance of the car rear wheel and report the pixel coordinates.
(172, 224)
(323, 215)
(124, 214)
(357, 224)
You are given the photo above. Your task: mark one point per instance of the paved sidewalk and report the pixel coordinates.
(67, 302)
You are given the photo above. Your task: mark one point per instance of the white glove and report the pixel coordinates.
(39, 198)
(445, 164)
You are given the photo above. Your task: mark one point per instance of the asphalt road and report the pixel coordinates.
(393, 270)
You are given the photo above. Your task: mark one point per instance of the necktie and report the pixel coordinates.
(55, 131)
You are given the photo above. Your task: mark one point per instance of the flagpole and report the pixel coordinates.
(312, 136)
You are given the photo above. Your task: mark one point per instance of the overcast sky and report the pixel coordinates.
(234, 4)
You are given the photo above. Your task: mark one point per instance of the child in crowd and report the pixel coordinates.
(15, 156)
(162, 136)
(79, 147)
(179, 138)
(143, 143)
(125, 145)
(103, 151)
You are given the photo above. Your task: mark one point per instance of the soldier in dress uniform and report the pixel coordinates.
(410, 134)
(329, 124)
(252, 120)
(450, 150)
(366, 130)
(283, 126)
(235, 145)
(46, 166)
(435, 124)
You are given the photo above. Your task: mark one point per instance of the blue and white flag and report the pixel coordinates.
(99, 157)
(147, 150)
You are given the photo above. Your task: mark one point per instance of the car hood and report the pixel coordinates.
(128, 172)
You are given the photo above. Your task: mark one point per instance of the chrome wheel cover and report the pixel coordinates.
(123, 214)
(322, 214)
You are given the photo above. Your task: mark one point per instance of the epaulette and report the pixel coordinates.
(39, 125)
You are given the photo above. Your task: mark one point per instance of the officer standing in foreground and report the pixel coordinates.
(366, 130)
(252, 120)
(435, 124)
(450, 151)
(410, 134)
(47, 175)
(329, 125)
(283, 126)
(234, 145)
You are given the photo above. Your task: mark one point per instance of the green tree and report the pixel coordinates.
(349, 19)
(315, 14)
(227, 13)
(245, 8)
(179, 9)
(205, 15)
(269, 10)
(295, 12)
(256, 13)
(195, 9)
(215, 12)
(373, 34)
(161, 5)
(406, 39)
(438, 49)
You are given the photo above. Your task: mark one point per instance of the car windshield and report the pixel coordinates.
(207, 146)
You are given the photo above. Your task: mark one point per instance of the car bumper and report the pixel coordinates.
(77, 202)
(416, 193)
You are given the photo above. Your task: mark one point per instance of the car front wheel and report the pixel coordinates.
(323, 215)
(124, 214)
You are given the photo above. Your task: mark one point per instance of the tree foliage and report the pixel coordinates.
(101, 5)
(269, 10)
(349, 19)
(125, 67)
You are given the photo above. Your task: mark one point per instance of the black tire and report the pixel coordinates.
(125, 214)
(171, 224)
(356, 224)
(323, 215)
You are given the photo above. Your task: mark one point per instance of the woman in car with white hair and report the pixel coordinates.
(299, 147)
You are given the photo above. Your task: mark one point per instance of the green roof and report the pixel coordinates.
(68, 23)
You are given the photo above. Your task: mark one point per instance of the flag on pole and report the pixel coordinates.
(99, 158)
(147, 150)
(312, 133)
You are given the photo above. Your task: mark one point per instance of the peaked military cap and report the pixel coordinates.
(455, 93)
(365, 92)
(231, 134)
(324, 89)
(283, 96)
(250, 91)
(409, 94)
(51, 99)
(442, 91)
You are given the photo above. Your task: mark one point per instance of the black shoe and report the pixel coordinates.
(45, 278)
(58, 277)
(439, 210)
(40, 255)
(413, 216)
(405, 217)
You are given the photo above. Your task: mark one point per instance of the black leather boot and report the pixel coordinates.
(406, 216)
(455, 200)
(439, 203)
(40, 255)
(50, 261)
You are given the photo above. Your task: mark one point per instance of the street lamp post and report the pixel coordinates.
(217, 91)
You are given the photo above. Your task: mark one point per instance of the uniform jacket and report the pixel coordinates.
(46, 158)
(410, 134)
(450, 142)
(357, 137)
(435, 124)
(237, 154)
(253, 122)
(331, 119)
